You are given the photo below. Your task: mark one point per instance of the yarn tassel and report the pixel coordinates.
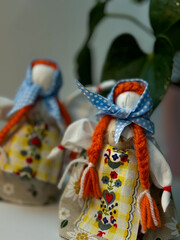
(89, 186)
(150, 218)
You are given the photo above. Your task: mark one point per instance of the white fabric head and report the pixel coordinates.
(127, 100)
(43, 76)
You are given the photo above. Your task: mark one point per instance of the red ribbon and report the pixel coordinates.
(61, 147)
(99, 88)
(167, 188)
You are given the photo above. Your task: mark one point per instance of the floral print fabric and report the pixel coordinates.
(70, 207)
(78, 234)
(27, 150)
(26, 191)
(114, 216)
(70, 211)
(174, 226)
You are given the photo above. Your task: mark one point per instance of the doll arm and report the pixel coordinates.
(77, 136)
(5, 106)
(160, 173)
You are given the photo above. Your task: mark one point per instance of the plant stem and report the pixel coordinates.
(131, 19)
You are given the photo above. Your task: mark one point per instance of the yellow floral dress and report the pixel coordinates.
(24, 163)
(27, 150)
(114, 216)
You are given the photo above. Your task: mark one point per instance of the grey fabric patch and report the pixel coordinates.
(26, 191)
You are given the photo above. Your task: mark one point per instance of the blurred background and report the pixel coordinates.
(57, 29)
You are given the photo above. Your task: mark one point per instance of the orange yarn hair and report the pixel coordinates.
(13, 121)
(91, 182)
(23, 111)
(45, 62)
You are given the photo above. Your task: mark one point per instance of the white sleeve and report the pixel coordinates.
(160, 171)
(5, 106)
(78, 135)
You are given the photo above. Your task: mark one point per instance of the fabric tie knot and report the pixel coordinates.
(139, 114)
(29, 91)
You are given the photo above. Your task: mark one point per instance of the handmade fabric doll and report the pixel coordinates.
(121, 189)
(36, 122)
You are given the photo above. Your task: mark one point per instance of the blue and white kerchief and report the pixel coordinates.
(29, 91)
(139, 115)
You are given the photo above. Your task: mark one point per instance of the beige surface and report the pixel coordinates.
(40, 222)
(27, 223)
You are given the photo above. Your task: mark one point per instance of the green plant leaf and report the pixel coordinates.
(174, 36)
(84, 58)
(157, 70)
(64, 223)
(126, 60)
(96, 15)
(84, 66)
(164, 14)
(139, 1)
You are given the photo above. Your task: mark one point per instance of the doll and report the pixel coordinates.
(123, 181)
(35, 123)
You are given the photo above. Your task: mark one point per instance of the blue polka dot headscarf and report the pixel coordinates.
(29, 91)
(139, 114)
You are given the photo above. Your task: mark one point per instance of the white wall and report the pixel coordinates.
(56, 29)
(33, 29)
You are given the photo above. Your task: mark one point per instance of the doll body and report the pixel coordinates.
(119, 181)
(124, 169)
(115, 215)
(23, 161)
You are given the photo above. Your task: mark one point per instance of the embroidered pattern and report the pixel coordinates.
(114, 215)
(34, 137)
(108, 206)
(27, 151)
